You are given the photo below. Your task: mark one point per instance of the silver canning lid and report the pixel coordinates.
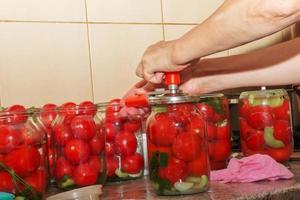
(218, 95)
(159, 100)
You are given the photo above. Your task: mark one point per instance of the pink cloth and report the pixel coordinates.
(250, 169)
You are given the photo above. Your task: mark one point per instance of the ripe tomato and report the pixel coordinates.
(37, 180)
(62, 134)
(48, 114)
(199, 166)
(211, 131)
(94, 162)
(175, 170)
(223, 132)
(109, 149)
(217, 165)
(187, 146)
(132, 164)
(256, 140)
(6, 183)
(111, 131)
(112, 111)
(260, 116)
(77, 151)
(207, 110)
(283, 131)
(68, 110)
(196, 124)
(162, 129)
(221, 150)
(125, 143)
(85, 174)
(132, 125)
(16, 114)
(87, 108)
(245, 129)
(23, 160)
(10, 138)
(32, 134)
(283, 112)
(83, 127)
(51, 157)
(280, 155)
(112, 165)
(244, 108)
(97, 144)
(62, 168)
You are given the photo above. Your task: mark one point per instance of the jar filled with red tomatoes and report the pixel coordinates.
(177, 146)
(124, 142)
(79, 146)
(265, 123)
(23, 161)
(215, 110)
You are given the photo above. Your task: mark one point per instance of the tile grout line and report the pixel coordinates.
(162, 20)
(89, 51)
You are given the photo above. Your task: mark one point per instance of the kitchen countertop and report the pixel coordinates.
(277, 190)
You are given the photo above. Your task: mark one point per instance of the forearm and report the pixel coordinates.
(236, 22)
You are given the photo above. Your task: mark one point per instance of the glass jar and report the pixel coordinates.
(215, 109)
(23, 161)
(265, 123)
(124, 142)
(177, 146)
(79, 143)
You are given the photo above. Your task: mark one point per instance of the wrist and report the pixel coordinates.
(178, 53)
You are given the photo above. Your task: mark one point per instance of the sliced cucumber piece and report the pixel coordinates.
(193, 179)
(270, 140)
(121, 174)
(159, 109)
(222, 123)
(19, 198)
(67, 183)
(204, 181)
(136, 175)
(253, 101)
(183, 186)
(275, 101)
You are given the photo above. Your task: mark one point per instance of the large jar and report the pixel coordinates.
(23, 167)
(215, 110)
(124, 142)
(79, 143)
(177, 146)
(265, 123)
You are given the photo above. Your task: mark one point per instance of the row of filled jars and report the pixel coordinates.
(86, 144)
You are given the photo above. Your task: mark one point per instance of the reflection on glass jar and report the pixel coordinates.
(265, 123)
(177, 149)
(79, 143)
(23, 161)
(215, 110)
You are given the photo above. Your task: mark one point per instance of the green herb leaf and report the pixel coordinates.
(216, 103)
(163, 159)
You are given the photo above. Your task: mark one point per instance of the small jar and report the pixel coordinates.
(79, 144)
(265, 123)
(177, 146)
(215, 109)
(23, 161)
(124, 142)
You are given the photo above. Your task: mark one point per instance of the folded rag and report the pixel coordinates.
(250, 169)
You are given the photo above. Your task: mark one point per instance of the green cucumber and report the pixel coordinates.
(183, 186)
(121, 174)
(136, 175)
(270, 140)
(67, 182)
(275, 101)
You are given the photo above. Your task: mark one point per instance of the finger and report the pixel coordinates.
(139, 70)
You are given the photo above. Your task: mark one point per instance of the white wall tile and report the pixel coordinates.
(116, 51)
(49, 10)
(124, 11)
(42, 63)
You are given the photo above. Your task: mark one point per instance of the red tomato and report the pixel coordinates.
(6, 183)
(32, 134)
(256, 140)
(132, 125)
(62, 168)
(62, 134)
(97, 144)
(176, 170)
(112, 165)
(222, 150)
(125, 143)
(196, 124)
(94, 162)
(211, 148)
(87, 108)
(83, 127)
(187, 146)
(112, 111)
(77, 151)
(283, 131)
(51, 157)
(85, 174)
(132, 164)
(162, 130)
(23, 160)
(199, 166)
(211, 131)
(283, 112)
(16, 114)
(48, 114)
(111, 131)
(10, 138)
(245, 129)
(260, 116)
(223, 132)
(68, 110)
(37, 180)
(244, 108)
(109, 149)
(282, 154)
(217, 165)
(207, 110)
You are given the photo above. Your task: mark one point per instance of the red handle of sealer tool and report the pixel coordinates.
(172, 78)
(136, 101)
